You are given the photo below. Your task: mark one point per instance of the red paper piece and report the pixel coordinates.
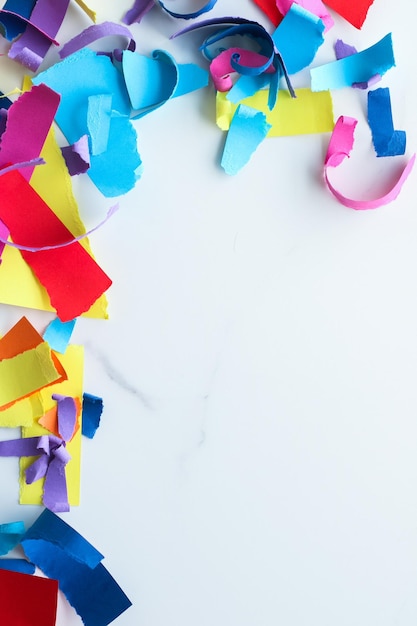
(354, 11)
(27, 600)
(269, 7)
(28, 122)
(72, 278)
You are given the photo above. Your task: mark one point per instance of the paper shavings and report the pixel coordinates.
(63, 554)
(92, 410)
(27, 600)
(386, 140)
(340, 146)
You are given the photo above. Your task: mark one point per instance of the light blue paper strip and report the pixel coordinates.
(298, 37)
(98, 122)
(357, 68)
(248, 129)
(10, 536)
(58, 334)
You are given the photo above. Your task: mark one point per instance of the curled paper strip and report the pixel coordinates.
(94, 33)
(139, 9)
(340, 146)
(189, 16)
(50, 464)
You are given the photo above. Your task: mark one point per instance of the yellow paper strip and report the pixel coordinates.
(310, 112)
(91, 14)
(25, 373)
(73, 363)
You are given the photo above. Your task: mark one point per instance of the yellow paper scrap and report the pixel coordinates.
(91, 14)
(310, 112)
(25, 373)
(73, 363)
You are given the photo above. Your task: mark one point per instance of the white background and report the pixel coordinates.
(256, 463)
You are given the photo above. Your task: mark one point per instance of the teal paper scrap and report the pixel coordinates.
(10, 536)
(298, 37)
(248, 129)
(58, 334)
(356, 68)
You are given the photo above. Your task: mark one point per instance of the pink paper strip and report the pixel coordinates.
(28, 122)
(340, 147)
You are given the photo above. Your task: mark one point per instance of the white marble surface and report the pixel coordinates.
(256, 463)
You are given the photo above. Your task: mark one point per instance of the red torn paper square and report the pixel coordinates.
(27, 600)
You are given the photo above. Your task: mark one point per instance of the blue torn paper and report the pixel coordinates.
(248, 129)
(17, 565)
(63, 554)
(356, 68)
(386, 140)
(91, 414)
(298, 37)
(58, 334)
(79, 76)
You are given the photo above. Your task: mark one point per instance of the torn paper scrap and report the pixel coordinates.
(307, 30)
(340, 147)
(83, 74)
(77, 156)
(45, 20)
(343, 50)
(309, 113)
(73, 280)
(62, 553)
(386, 140)
(248, 129)
(139, 9)
(92, 410)
(58, 334)
(354, 12)
(356, 68)
(50, 458)
(73, 361)
(17, 565)
(316, 7)
(10, 535)
(18, 284)
(27, 600)
(9, 20)
(28, 122)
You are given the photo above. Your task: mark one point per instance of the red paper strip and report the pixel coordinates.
(27, 600)
(354, 11)
(269, 7)
(72, 278)
(28, 122)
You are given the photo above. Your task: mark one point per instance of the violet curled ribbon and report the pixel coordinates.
(50, 464)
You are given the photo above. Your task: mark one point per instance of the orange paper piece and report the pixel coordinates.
(72, 278)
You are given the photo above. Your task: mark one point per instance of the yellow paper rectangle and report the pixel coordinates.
(310, 112)
(73, 363)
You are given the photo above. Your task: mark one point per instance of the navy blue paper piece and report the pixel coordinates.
(13, 26)
(63, 554)
(92, 410)
(386, 140)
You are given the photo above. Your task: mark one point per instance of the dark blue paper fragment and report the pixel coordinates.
(387, 141)
(92, 410)
(63, 554)
(11, 24)
(17, 565)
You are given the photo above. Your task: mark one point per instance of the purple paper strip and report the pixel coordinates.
(139, 9)
(95, 32)
(67, 416)
(77, 156)
(30, 49)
